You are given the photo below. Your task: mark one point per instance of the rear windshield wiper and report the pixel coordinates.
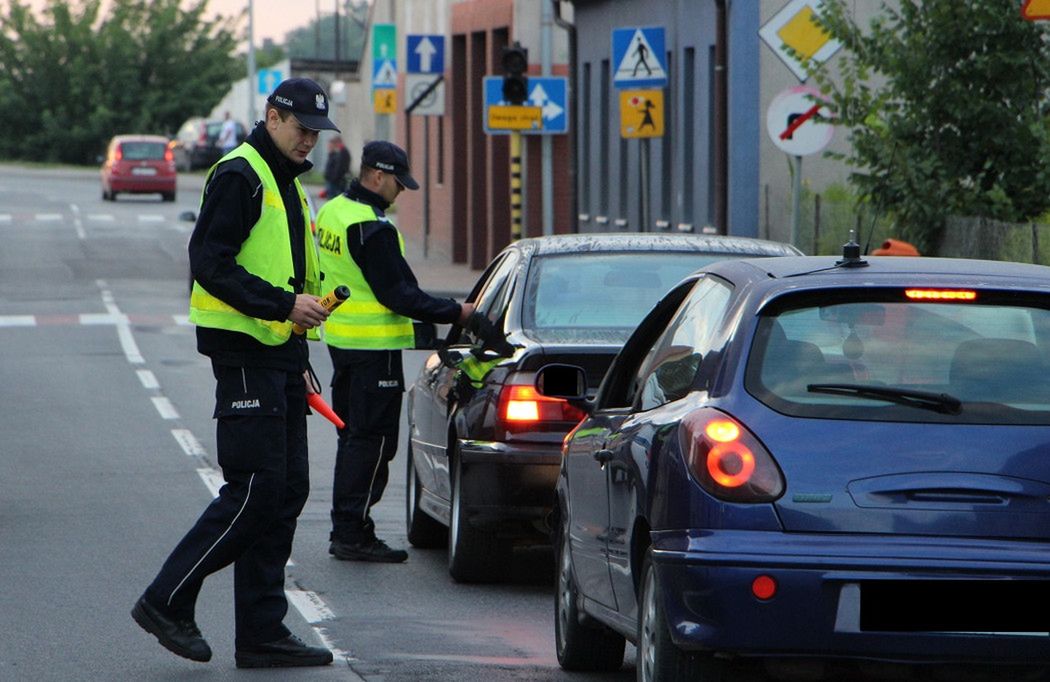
(924, 400)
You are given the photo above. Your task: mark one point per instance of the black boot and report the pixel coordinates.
(289, 652)
(181, 637)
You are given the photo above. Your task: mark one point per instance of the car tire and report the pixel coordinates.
(424, 531)
(474, 555)
(659, 659)
(580, 646)
(169, 196)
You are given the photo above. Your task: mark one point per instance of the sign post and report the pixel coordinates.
(797, 124)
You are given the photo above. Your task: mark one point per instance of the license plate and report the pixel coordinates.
(143, 171)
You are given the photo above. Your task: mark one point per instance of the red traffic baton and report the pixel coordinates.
(317, 404)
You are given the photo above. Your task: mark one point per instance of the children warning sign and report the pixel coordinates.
(641, 113)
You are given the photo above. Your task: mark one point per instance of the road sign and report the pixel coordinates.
(1035, 10)
(794, 27)
(434, 103)
(269, 79)
(384, 100)
(384, 56)
(548, 94)
(508, 117)
(642, 113)
(638, 56)
(802, 138)
(426, 54)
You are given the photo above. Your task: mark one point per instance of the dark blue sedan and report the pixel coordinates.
(814, 457)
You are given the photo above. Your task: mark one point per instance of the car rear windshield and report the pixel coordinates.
(143, 151)
(889, 358)
(601, 297)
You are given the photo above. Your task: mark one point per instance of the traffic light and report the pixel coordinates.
(515, 84)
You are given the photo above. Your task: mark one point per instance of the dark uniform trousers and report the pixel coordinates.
(262, 449)
(366, 394)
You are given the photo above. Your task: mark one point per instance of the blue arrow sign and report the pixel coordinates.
(638, 56)
(549, 93)
(269, 79)
(426, 53)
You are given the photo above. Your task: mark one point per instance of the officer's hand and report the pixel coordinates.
(491, 336)
(307, 312)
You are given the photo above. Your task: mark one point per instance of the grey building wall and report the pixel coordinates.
(681, 163)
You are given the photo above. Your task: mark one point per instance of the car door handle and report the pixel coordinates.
(603, 456)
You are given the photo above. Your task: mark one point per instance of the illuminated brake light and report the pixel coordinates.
(168, 154)
(940, 294)
(727, 460)
(522, 407)
(730, 464)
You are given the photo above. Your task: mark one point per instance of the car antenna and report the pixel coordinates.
(851, 254)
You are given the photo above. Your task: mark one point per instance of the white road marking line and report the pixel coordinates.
(78, 224)
(17, 320)
(102, 318)
(212, 479)
(148, 379)
(127, 340)
(310, 605)
(5, 217)
(164, 407)
(189, 443)
(151, 218)
(182, 320)
(48, 217)
(101, 217)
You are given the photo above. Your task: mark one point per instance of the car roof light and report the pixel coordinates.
(940, 294)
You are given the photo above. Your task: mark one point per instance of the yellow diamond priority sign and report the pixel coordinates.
(795, 36)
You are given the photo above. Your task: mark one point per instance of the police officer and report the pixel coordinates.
(256, 273)
(363, 250)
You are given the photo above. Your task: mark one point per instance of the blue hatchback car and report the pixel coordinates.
(814, 457)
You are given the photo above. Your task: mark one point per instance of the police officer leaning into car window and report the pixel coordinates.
(360, 248)
(256, 273)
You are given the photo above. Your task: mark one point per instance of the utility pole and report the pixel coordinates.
(251, 66)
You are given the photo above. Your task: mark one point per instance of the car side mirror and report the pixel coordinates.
(453, 357)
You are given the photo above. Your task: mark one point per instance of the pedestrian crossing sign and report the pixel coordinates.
(642, 113)
(639, 56)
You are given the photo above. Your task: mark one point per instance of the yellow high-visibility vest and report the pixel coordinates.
(362, 322)
(266, 253)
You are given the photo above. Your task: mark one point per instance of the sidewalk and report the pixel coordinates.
(437, 276)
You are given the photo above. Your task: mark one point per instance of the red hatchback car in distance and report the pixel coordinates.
(138, 164)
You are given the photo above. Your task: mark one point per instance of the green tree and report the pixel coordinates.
(945, 104)
(72, 78)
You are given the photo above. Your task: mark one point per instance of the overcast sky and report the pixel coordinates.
(272, 18)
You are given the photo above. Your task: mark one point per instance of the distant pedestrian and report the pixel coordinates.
(227, 139)
(256, 273)
(336, 167)
(362, 249)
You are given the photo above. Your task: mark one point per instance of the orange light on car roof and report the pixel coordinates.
(940, 294)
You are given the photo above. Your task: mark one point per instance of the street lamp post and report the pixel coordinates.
(251, 66)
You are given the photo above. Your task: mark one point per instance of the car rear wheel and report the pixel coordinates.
(474, 555)
(424, 531)
(659, 659)
(580, 646)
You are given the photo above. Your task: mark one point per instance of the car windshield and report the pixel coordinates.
(143, 151)
(601, 297)
(968, 362)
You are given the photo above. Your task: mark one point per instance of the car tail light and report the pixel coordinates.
(168, 154)
(727, 460)
(118, 153)
(522, 408)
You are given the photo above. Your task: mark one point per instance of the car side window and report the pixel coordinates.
(669, 369)
(491, 298)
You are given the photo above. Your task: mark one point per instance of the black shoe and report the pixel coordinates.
(180, 637)
(373, 550)
(289, 652)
